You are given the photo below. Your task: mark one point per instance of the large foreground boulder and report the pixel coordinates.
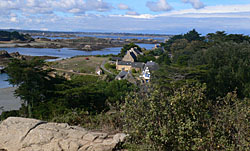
(22, 134)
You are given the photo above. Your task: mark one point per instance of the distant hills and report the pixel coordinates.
(89, 33)
(14, 35)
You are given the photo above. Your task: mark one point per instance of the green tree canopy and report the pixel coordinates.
(33, 81)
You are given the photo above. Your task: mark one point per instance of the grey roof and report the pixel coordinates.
(133, 55)
(128, 63)
(138, 64)
(126, 76)
(152, 65)
(133, 64)
(138, 51)
(121, 75)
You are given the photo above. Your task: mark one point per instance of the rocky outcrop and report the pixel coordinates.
(21, 134)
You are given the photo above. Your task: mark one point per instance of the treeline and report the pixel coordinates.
(8, 36)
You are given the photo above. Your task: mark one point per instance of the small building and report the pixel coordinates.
(148, 68)
(127, 65)
(124, 75)
(121, 75)
(138, 66)
(132, 55)
(152, 66)
(98, 71)
(146, 75)
(129, 61)
(123, 65)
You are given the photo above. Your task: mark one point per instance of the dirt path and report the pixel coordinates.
(103, 68)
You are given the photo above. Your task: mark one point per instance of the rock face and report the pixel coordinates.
(21, 134)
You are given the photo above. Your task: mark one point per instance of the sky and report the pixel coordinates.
(130, 16)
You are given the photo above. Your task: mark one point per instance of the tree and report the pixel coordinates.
(164, 59)
(33, 81)
(193, 35)
(228, 69)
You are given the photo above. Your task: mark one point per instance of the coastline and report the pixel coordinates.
(80, 43)
(7, 99)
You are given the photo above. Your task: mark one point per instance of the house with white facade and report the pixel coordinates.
(149, 67)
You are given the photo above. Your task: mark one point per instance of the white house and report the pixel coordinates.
(146, 75)
(148, 68)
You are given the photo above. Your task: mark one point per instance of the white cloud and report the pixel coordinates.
(213, 11)
(67, 15)
(98, 5)
(197, 4)
(123, 6)
(51, 6)
(161, 5)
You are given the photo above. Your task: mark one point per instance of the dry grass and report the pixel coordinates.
(80, 64)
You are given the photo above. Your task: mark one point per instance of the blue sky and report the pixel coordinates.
(133, 16)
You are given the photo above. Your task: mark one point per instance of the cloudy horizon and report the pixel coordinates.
(141, 16)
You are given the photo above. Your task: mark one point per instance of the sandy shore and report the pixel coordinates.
(7, 99)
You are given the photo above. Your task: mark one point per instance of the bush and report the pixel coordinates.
(104, 121)
(187, 120)
(7, 114)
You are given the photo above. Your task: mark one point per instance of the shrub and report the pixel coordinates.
(187, 120)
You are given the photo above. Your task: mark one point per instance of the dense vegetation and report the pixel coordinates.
(8, 36)
(46, 96)
(199, 99)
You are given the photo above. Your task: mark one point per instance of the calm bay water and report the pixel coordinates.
(3, 82)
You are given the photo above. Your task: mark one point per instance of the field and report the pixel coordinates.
(80, 64)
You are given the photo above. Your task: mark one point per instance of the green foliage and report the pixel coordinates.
(221, 36)
(229, 129)
(226, 58)
(128, 47)
(145, 58)
(164, 59)
(168, 44)
(193, 35)
(133, 71)
(156, 52)
(85, 92)
(46, 96)
(33, 81)
(186, 120)
(229, 68)
(6, 114)
(110, 122)
(167, 122)
(116, 91)
(110, 66)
